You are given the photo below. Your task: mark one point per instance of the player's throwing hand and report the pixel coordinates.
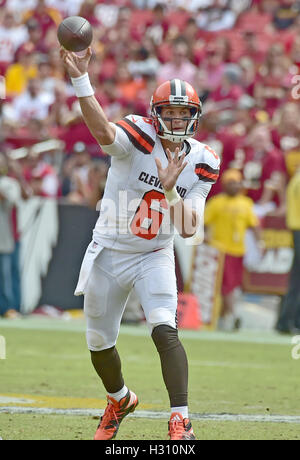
(168, 176)
(75, 65)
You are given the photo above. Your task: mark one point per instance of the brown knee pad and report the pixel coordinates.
(173, 363)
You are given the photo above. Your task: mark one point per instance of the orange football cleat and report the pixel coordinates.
(113, 415)
(180, 428)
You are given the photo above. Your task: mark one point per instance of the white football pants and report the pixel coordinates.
(112, 276)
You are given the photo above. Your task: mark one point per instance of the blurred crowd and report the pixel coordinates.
(242, 57)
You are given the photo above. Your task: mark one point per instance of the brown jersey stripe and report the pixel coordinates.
(133, 140)
(207, 177)
(141, 132)
(207, 168)
(140, 139)
(206, 173)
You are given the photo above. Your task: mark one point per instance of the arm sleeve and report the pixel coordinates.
(121, 146)
(196, 200)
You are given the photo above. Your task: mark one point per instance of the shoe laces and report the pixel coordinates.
(176, 429)
(109, 415)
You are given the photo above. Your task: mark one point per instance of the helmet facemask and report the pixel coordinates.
(192, 122)
(171, 134)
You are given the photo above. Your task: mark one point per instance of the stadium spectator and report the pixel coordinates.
(34, 43)
(60, 113)
(27, 134)
(41, 176)
(274, 79)
(253, 47)
(110, 97)
(290, 35)
(218, 16)
(157, 28)
(228, 93)
(75, 170)
(32, 104)
(264, 181)
(143, 64)
(284, 16)
(179, 65)
(10, 195)
(87, 11)
(213, 66)
(227, 217)
(46, 17)
(264, 171)
(65, 7)
(289, 318)
(48, 81)
(16, 172)
(286, 135)
(6, 122)
(19, 73)
(73, 126)
(53, 56)
(20, 6)
(224, 141)
(12, 35)
(247, 66)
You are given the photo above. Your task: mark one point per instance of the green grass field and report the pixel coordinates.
(47, 374)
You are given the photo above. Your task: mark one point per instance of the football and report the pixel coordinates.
(75, 33)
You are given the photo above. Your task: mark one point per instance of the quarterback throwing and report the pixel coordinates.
(157, 184)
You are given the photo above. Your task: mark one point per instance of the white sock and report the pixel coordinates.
(183, 410)
(120, 394)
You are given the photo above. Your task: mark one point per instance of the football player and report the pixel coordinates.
(158, 182)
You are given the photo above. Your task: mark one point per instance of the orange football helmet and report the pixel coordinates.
(175, 93)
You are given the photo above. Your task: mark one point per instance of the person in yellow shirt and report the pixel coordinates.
(19, 73)
(289, 318)
(227, 218)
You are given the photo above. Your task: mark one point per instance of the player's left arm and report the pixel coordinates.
(186, 215)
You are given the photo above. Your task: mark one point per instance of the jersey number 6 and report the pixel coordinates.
(149, 215)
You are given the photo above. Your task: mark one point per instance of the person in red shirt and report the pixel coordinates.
(228, 93)
(286, 135)
(274, 79)
(15, 171)
(157, 27)
(35, 42)
(41, 176)
(254, 47)
(87, 11)
(264, 171)
(46, 17)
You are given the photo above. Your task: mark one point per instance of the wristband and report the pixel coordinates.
(82, 85)
(172, 196)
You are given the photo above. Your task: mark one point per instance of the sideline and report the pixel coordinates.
(155, 415)
(34, 322)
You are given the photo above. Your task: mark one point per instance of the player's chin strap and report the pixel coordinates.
(82, 86)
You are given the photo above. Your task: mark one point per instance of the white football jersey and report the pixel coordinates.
(134, 214)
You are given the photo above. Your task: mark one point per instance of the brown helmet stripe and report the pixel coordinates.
(183, 88)
(173, 88)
